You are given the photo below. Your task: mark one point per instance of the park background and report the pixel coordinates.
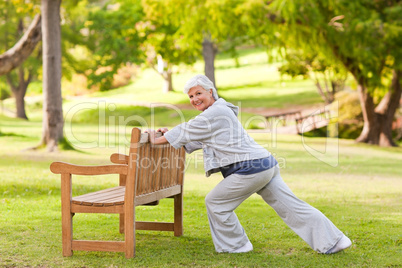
(125, 58)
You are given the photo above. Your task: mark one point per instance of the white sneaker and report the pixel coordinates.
(246, 248)
(342, 244)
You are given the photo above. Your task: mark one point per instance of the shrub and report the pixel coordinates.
(4, 93)
(350, 118)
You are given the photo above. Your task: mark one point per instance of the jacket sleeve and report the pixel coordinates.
(196, 130)
(192, 146)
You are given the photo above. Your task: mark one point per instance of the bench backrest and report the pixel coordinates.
(154, 167)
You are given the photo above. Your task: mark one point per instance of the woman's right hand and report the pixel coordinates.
(163, 129)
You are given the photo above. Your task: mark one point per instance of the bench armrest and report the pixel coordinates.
(66, 168)
(119, 158)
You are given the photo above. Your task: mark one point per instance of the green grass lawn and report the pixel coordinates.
(357, 186)
(361, 195)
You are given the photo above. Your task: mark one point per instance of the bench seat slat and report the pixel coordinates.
(109, 197)
(102, 196)
(101, 199)
(115, 196)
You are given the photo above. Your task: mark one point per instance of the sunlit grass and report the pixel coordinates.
(357, 186)
(361, 196)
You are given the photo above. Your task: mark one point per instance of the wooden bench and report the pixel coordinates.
(284, 117)
(318, 119)
(148, 174)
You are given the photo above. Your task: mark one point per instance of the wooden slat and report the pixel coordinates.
(176, 166)
(115, 246)
(182, 165)
(116, 201)
(146, 168)
(148, 174)
(61, 167)
(166, 171)
(92, 209)
(156, 169)
(119, 158)
(163, 193)
(107, 197)
(138, 182)
(105, 192)
(171, 165)
(154, 226)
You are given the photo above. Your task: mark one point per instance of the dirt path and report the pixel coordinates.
(263, 111)
(268, 112)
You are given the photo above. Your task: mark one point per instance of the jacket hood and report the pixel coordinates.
(234, 108)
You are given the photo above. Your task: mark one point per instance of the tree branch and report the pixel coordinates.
(16, 55)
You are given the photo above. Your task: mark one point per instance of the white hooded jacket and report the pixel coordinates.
(222, 137)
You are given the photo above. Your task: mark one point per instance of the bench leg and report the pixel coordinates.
(178, 215)
(66, 215)
(67, 234)
(129, 233)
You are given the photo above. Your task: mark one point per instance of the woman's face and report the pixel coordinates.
(200, 98)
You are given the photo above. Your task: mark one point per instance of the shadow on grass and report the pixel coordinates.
(229, 66)
(244, 86)
(3, 134)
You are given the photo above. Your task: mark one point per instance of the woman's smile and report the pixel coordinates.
(200, 98)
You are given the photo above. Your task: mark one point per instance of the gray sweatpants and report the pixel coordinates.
(227, 233)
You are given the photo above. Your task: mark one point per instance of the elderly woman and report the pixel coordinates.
(247, 168)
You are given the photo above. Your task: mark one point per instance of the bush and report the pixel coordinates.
(350, 118)
(349, 108)
(349, 121)
(4, 94)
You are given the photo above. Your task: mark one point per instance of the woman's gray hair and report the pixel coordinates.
(204, 82)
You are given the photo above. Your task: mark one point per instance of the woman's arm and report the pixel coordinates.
(154, 140)
(157, 141)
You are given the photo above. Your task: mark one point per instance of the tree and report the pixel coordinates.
(112, 36)
(365, 37)
(163, 47)
(211, 24)
(328, 78)
(203, 26)
(52, 127)
(25, 54)
(16, 15)
(16, 55)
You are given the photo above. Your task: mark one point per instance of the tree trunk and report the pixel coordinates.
(208, 52)
(371, 131)
(52, 127)
(20, 102)
(19, 90)
(16, 55)
(377, 128)
(387, 108)
(165, 70)
(321, 92)
(167, 84)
